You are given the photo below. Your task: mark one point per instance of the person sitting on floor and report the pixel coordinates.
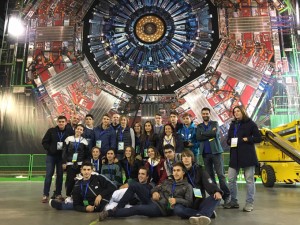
(203, 208)
(164, 198)
(90, 194)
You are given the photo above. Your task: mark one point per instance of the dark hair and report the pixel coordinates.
(89, 115)
(145, 168)
(144, 136)
(106, 114)
(140, 125)
(179, 164)
(80, 125)
(174, 113)
(188, 153)
(168, 146)
(156, 152)
(168, 124)
(205, 109)
(157, 114)
(61, 118)
(132, 157)
(243, 111)
(95, 147)
(105, 157)
(186, 114)
(87, 163)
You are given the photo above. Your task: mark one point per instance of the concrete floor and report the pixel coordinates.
(20, 204)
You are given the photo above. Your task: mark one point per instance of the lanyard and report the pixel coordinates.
(110, 172)
(151, 167)
(86, 188)
(102, 132)
(121, 133)
(76, 144)
(236, 128)
(170, 165)
(128, 168)
(60, 135)
(173, 188)
(168, 141)
(189, 177)
(186, 133)
(96, 164)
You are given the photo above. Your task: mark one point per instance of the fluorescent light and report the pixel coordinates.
(15, 26)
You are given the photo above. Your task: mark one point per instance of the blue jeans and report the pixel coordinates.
(250, 184)
(206, 208)
(142, 191)
(53, 161)
(214, 162)
(151, 209)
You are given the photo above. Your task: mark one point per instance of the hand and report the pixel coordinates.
(98, 200)
(172, 201)
(64, 166)
(90, 208)
(139, 157)
(155, 196)
(124, 186)
(217, 196)
(214, 129)
(245, 139)
(116, 160)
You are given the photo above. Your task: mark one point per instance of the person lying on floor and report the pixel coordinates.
(90, 194)
(171, 192)
(127, 195)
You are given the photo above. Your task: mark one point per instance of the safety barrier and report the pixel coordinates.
(28, 166)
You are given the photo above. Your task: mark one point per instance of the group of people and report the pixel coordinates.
(153, 168)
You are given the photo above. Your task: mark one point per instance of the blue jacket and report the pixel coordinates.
(189, 134)
(107, 138)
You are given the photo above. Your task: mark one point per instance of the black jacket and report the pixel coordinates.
(244, 154)
(133, 170)
(51, 138)
(199, 178)
(98, 185)
(69, 150)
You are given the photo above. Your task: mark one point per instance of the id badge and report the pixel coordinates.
(197, 193)
(75, 156)
(85, 202)
(98, 143)
(121, 146)
(145, 153)
(59, 145)
(234, 142)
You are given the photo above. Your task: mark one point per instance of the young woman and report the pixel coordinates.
(172, 138)
(110, 169)
(96, 160)
(155, 164)
(148, 138)
(75, 151)
(243, 133)
(130, 164)
(125, 137)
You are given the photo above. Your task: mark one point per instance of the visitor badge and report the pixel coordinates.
(75, 156)
(197, 193)
(145, 153)
(98, 143)
(85, 202)
(234, 142)
(59, 145)
(121, 145)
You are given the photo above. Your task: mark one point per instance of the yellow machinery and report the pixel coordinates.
(279, 154)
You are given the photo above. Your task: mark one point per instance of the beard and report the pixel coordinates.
(205, 118)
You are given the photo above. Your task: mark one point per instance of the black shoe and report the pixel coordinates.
(214, 215)
(103, 215)
(56, 204)
(231, 205)
(54, 195)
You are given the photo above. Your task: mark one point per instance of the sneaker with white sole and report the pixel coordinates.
(45, 199)
(56, 204)
(248, 207)
(68, 200)
(199, 220)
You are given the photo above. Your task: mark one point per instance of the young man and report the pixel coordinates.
(174, 121)
(158, 127)
(126, 195)
(203, 208)
(188, 134)
(105, 136)
(170, 158)
(53, 144)
(89, 133)
(115, 121)
(211, 150)
(164, 198)
(90, 194)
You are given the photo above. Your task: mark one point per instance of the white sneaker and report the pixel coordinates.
(199, 220)
(68, 200)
